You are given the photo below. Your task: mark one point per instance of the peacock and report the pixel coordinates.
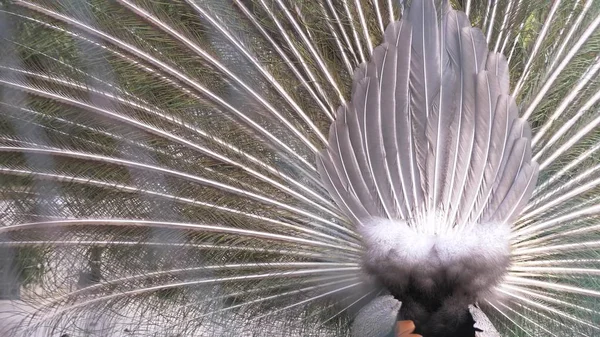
(299, 168)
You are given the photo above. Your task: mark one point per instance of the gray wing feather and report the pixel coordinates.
(374, 134)
(356, 125)
(473, 55)
(406, 156)
(483, 323)
(511, 161)
(360, 73)
(387, 120)
(455, 22)
(444, 108)
(336, 148)
(519, 129)
(350, 157)
(485, 102)
(505, 114)
(498, 65)
(396, 126)
(424, 78)
(518, 195)
(439, 135)
(346, 201)
(520, 155)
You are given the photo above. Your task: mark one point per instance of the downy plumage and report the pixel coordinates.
(278, 168)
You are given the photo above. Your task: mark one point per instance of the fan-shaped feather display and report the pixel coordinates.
(299, 168)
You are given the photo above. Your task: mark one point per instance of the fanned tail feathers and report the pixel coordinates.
(454, 115)
(158, 173)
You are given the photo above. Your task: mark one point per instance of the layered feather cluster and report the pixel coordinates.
(158, 174)
(431, 161)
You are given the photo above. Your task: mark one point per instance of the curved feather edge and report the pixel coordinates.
(431, 128)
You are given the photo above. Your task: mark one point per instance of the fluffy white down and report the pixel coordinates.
(472, 260)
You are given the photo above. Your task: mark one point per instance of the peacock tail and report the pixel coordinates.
(168, 168)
